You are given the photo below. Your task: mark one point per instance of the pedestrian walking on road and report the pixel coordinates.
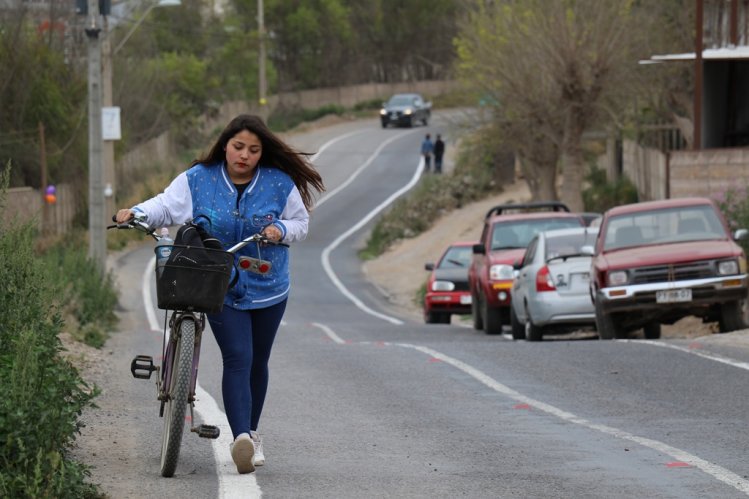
(426, 151)
(439, 151)
(250, 181)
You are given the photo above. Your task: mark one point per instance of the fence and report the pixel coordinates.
(25, 204)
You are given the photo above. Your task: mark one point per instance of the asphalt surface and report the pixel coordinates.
(363, 403)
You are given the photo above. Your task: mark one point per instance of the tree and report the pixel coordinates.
(553, 67)
(38, 86)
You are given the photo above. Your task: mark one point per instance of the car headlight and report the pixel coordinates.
(500, 272)
(383, 111)
(407, 111)
(618, 278)
(443, 286)
(728, 267)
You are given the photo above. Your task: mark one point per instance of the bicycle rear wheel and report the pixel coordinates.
(174, 408)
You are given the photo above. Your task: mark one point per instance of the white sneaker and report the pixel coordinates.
(259, 458)
(242, 452)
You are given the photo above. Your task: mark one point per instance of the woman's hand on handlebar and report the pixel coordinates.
(123, 215)
(272, 233)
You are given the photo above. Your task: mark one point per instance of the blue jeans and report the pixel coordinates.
(245, 338)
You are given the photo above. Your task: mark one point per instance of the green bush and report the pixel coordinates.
(283, 119)
(602, 194)
(734, 203)
(43, 394)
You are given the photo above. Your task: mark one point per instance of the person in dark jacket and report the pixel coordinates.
(439, 151)
(250, 181)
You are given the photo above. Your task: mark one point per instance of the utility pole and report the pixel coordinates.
(97, 247)
(108, 171)
(262, 85)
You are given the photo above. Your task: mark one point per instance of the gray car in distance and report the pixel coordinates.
(550, 293)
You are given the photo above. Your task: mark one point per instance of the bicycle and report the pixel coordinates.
(181, 344)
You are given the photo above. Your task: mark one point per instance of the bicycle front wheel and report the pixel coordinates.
(179, 389)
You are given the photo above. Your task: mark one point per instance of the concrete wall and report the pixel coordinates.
(647, 169)
(709, 172)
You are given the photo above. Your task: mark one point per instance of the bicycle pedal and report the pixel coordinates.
(142, 367)
(207, 431)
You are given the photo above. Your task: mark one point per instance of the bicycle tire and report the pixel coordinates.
(174, 410)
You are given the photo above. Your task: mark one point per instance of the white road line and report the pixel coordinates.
(709, 356)
(326, 252)
(722, 474)
(331, 334)
(361, 168)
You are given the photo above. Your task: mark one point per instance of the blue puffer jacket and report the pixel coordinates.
(271, 198)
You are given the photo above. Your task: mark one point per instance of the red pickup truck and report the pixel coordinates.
(660, 261)
(507, 231)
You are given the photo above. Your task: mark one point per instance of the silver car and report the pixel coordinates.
(550, 293)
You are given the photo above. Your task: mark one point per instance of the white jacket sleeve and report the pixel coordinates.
(171, 207)
(295, 218)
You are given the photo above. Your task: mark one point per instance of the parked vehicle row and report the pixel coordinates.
(540, 269)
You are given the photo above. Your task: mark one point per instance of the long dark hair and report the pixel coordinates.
(276, 153)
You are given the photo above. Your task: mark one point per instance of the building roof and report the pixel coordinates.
(719, 54)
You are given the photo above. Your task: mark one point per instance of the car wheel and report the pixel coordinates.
(384, 124)
(410, 122)
(478, 322)
(492, 319)
(518, 330)
(431, 317)
(532, 331)
(652, 330)
(607, 328)
(731, 317)
(425, 121)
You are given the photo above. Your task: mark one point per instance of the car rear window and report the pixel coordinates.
(518, 233)
(672, 225)
(571, 244)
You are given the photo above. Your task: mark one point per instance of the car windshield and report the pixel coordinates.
(569, 244)
(456, 257)
(518, 233)
(672, 225)
(400, 100)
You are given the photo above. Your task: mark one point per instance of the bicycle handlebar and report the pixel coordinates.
(138, 222)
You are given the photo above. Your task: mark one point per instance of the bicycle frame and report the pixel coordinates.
(168, 353)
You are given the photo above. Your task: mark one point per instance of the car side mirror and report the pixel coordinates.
(429, 266)
(478, 249)
(740, 234)
(588, 250)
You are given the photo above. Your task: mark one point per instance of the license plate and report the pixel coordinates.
(673, 295)
(465, 300)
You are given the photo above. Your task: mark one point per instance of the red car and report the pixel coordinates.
(507, 231)
(447, 288)
(657, 262)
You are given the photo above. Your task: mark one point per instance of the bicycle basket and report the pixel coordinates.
(193, 278)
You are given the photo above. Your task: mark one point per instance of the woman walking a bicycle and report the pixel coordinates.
(250, 181)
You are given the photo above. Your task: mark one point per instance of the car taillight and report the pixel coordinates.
(543, 280)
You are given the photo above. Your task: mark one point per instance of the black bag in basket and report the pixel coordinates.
(196, 275)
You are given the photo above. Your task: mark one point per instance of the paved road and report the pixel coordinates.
(363, 403)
